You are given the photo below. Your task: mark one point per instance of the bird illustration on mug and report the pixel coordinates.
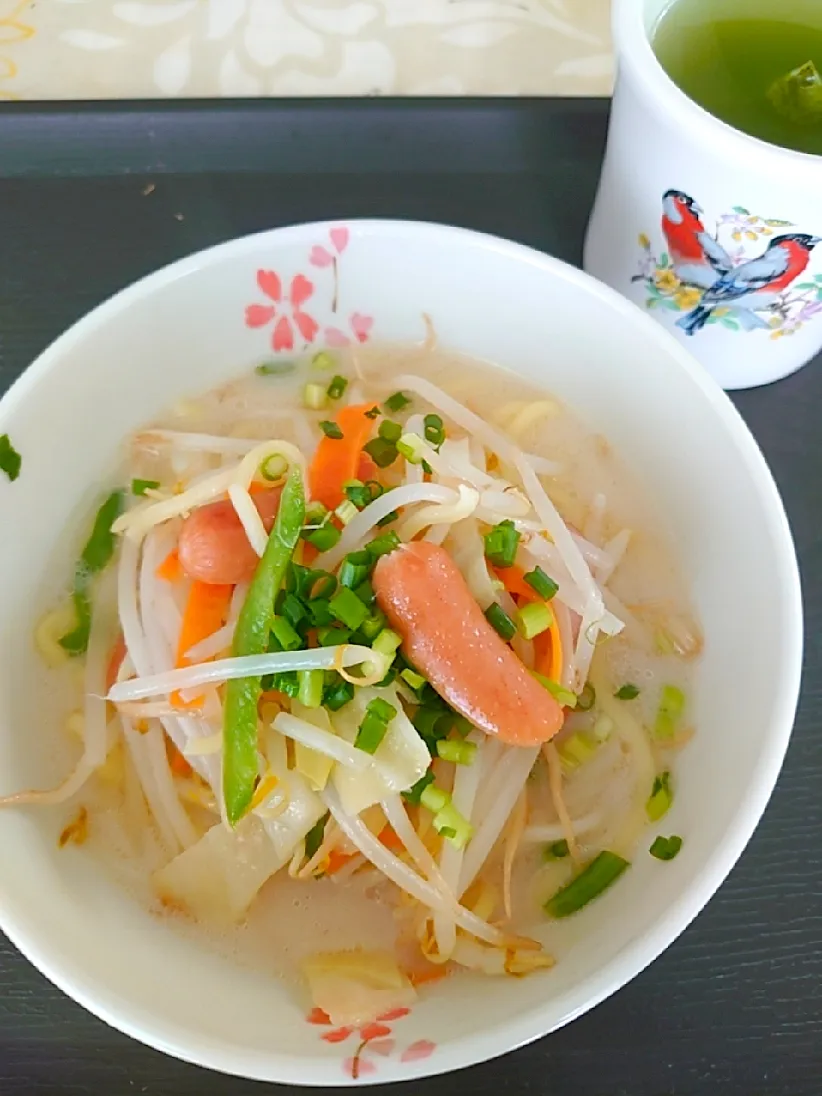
(713, 278)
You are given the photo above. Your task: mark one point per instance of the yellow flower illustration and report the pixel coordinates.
(666, 281)
(644, 241)
(687, 297)
(720, 312)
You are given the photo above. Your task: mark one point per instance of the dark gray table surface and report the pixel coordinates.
(734, 1007)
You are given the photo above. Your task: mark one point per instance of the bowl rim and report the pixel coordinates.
(632, 959)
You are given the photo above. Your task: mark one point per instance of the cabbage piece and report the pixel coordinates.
(304, 808)
(217, 878)
(355, 987)
(513, 961)
(400, 760)
(314, 766)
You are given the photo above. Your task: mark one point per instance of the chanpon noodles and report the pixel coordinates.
(386, 662)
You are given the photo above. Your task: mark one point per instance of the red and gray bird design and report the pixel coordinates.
(696, 257)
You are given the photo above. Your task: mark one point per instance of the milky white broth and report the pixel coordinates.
(290, 919)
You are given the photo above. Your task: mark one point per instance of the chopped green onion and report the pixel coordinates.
(323, 360)
(563, 696)
(314, 838)
(346, 511)
(671, 707)
(319, 610)
(315, 397)
(666, 848)
(285, 682)
(311, 687)
(321, 585)
(382, 709)
(287, 637)
(373, 413)
(434, 798)
(533, 619)
(331, 430)
(434, 430)
(410, 446)
(414, 793)
(356, 567)
(274, 467)
(381, 451)
(292, 609)
(587, 698)
(338, 695)
(501, 544)
(603, 870)
(576, 750)
(373, 729)
(390, 431)
(336, 389)
(387, 642)
(500, 621)
(140, 486)
(450, 824)
(543, 584)
(99, 548)
(392, 516)
(372, 625)
(275, 368)
(10, 460)
(361, 494)
(627, 692)
(333, 637)
(382, 545)
(661, 798)
(397, 402)
(412, 679)
(315, 513)
(557, 850)
(365, 592)
(324, 538)
(347, 608)
(461, 753)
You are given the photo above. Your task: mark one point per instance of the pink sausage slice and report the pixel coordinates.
(213, 547)
(447, 638)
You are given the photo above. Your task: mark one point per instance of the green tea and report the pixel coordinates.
(756, 64)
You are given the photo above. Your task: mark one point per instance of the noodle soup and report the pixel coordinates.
(396, 660)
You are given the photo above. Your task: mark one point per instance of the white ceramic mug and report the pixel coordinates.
(717, 234)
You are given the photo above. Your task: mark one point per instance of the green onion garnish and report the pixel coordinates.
(286, 682)
(603, 870)
(450, 824)
(323, 360)
(397, 402)
(373, 729)
(661, 797)
(381, 451)
(410, 446)
(356, 567)
(361, 494)
(324, 538)
(314, 837)
(315, 513)
(373, 413)
(274, 467)
(412, 679)
(290, 607)
(587, 698)
(543, 584)
(10, 460)
(666, 848)
(287, 637)
(500, 621)
(275, 368)
(627, 692)
(333, 636)
(387, 642)
(461, 753)
(315, 397)
(501, 544)
(390, 431)
(671, 707)
(433, 430)
(321, 585)
(372, 625)
(336, 389)
(562, 695)
(319, 610)
(140, 486)
(365, 592)
(338, 695)
(434, 798)
(533, 619)
(576, 750)
(414, 793)
(347, 608)
(557, 850)
(382, 545)
(311, 684)
(392, 516)
(331, 430)
(346, 511)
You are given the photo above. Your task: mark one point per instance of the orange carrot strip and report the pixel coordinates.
(548, 645)
(389, 838)
(206, 611)
(337, 860)
(118, 653)
(178, 764)
(425, 977)
(170, 568)
(367, 469)
(338, 459)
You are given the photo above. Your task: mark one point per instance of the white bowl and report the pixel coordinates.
(186, 328)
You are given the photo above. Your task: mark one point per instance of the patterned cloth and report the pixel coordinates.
(87, 49)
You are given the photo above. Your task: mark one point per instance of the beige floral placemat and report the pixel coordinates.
(59, 49)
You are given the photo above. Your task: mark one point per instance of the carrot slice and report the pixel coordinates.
(170, 568)
(548, 645)
(206, 611)
(389, 839)
(177, 763)
(338, 459)
(337, 860)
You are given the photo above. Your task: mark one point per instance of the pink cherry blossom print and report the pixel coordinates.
(318, 1016)
(423, 1048)
(287, 314)
(337, 1035)
(361, 326)
(358, 1066)
(393, 1014)
(339, 238)
(383, 1047)
(320, 257)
